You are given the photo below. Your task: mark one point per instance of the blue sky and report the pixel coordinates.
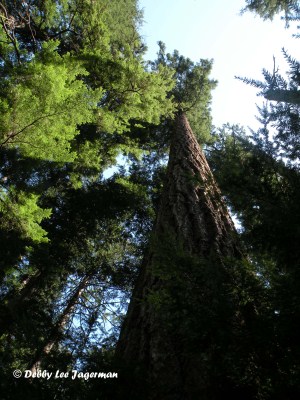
(239, 45)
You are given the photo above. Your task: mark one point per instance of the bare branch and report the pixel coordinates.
(9, 22)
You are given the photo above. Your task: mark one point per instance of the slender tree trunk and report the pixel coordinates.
(57, 330)
(193, 215)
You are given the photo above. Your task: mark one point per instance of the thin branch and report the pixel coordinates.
(12, 135)
(11, 37)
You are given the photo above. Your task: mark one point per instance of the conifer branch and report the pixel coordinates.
(13, 135)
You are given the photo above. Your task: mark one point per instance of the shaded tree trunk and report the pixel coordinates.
(58, 328)
(193, 235)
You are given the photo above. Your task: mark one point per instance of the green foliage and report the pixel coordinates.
(264, 193)
(280, 115)
(267, 9)
(20, 211)
(138, 95)
(192, 91)
(258, 186)
(72, 84)
(57, 101)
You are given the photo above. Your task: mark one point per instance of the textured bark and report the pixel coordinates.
(193, 210)
(192, 203)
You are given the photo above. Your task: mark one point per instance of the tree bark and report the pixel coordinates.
(193, 211)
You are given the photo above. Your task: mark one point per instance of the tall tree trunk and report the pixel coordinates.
(57, 329)
(193, 236)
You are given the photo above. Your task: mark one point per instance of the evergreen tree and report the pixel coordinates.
(268, 8)
(73, 83)
(194, 298)
(263, 191)
(97, 82)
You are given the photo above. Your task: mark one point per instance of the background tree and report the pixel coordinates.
(73, 83)
(263, 191)
(267, 9)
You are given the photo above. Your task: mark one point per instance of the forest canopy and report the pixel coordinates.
(116, 188)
